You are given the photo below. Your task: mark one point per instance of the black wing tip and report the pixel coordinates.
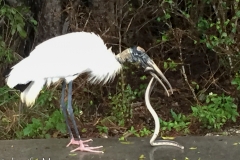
(22, 87)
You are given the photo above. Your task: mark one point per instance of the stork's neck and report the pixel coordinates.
(124, 56)
(120, 60)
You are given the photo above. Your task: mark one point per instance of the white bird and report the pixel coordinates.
(66, 57)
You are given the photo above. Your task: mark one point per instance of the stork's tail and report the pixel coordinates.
(29, 95)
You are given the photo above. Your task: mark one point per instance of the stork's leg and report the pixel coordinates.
(64, 108)
(82, 146)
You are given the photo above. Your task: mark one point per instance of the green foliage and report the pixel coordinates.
(133, 131)
(33, 129)
(196, 86)
(5, 52)
(121, 104)
(7, 95)
(221, 37)
(180, 122)
(216, 112)
(236, 81)
(16, 19)
(213, 115)
(170, 64)
(130, 8)
(144, 132)
(122, 138)
(46, 98)
(164, 37)
(216, 28)
(215, 25)
(138, 133)
(13, 25)
(41, 128)
(102, 129)
(141, 91)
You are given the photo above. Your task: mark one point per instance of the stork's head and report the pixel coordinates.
(137, 54)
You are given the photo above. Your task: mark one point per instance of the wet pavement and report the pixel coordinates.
(196, 148)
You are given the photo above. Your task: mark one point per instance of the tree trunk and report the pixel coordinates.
(49, 21)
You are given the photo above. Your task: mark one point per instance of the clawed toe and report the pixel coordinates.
(84, 147)
(77, 142)
(88, 149)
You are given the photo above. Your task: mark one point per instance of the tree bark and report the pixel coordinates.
(49, 21)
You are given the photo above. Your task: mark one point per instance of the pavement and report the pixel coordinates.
(196, 148)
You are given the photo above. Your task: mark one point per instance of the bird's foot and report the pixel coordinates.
(84, 147)
(77, 142)
(88, 149)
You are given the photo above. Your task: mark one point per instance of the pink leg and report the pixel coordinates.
(84, 147)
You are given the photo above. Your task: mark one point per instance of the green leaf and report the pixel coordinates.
(234, 119)
(174, 115)
(61, 127)
(234, 30)
(167, 16)
(187, 15)
(224, 34)
(208, 99)
(142, 157)
(12, 10)
(164, 38)
(238, 14)
(3, 10)
(169, 1)
(27, 131)
(127, 142)
(164, 128)
(36, 121)
(143, 77)
(21, 32)
(72, 154)
(13, 30)
(226, 22)
(121, 138)
(33, 21)
(165, 65)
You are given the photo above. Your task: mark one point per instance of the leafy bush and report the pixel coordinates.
(180, 122)
(16, 18)
(216, 112)
(7, 95)
(121, 104)
(236, 81)
(41, 128)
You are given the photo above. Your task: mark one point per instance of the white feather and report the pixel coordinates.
(51, 81)
(29, 95)
(66, 56)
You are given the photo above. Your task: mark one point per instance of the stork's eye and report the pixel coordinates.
(138, 52)
(140, 49)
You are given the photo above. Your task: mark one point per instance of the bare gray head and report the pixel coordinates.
(137, 54)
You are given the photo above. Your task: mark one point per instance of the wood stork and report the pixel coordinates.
(66, 57)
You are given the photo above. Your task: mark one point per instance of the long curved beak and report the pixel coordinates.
(155, 72)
